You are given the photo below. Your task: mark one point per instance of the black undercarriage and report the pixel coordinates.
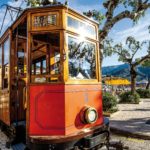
(96, 140)
(100, 138)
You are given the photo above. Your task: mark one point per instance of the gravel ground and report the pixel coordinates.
(3, 140)
(132, 143)
(132, 118)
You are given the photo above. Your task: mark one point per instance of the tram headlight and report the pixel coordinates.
(90, 115)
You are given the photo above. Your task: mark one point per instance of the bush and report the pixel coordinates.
(109, 102)
(144, 93)
(128, 97)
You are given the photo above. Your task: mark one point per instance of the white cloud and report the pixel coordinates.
(139, 31)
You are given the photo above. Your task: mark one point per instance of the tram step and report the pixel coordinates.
(19, 146)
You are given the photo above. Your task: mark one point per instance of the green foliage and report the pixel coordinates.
(144, 93)
(36, 3)
(33, 3)
(109, 102)
(146, 63)
(126, 53)
(134, 5)
(97, 15)
(128, 97)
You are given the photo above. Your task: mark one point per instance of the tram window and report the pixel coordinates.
(82, 62)
(38, 68)
(45, 58)
(87, 29)
(21, 62)
(0, 67)
(44, 66)
(6, 63)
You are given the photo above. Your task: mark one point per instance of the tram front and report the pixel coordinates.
(65, 99)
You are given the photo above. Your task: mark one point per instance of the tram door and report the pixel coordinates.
(20, 80)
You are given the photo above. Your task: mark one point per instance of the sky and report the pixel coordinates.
(119, 32)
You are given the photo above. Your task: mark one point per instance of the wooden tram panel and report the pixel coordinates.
(4, 92)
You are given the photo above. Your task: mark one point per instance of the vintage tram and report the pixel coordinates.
(50, 81)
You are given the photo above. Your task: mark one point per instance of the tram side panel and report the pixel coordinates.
(4, 107)
(77, 98)
(46, 110)
(55, 109)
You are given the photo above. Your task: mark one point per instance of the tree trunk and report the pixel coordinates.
(148, 84)
(133, 79)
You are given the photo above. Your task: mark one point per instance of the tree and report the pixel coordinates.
(127, 55)
(131, 9)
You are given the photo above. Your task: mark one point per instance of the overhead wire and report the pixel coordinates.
(8, 9)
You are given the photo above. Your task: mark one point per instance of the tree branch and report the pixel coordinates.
(142, 60)
(111, 21)
(110, 5)
(109, 24)
(144, 6)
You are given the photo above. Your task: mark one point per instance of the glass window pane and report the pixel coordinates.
(38, 68)
(82, 63)
(6, 62)
(45, 58)
(6, 52)
(21, 62)
(44, 67)
(85, 28)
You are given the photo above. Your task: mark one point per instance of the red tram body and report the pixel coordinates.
(50, 80)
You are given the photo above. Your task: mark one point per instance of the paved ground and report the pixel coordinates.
(132, 143)
(132, 119)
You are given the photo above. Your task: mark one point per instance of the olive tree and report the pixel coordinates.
(133, 10)
(126, 53)
(129, 9)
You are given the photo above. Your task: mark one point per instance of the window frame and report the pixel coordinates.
(45, 73)
(76, 81)
(3, 69)
(84, 22)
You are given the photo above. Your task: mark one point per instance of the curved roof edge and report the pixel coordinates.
(48, 6)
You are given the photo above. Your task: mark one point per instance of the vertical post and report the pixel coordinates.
(29, 41)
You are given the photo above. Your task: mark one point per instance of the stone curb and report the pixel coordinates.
(129, 134)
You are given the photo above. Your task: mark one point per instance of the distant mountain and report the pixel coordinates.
(124, 71)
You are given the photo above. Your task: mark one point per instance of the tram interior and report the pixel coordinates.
(45, 58)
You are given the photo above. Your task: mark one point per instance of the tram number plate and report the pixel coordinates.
(95, 140)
